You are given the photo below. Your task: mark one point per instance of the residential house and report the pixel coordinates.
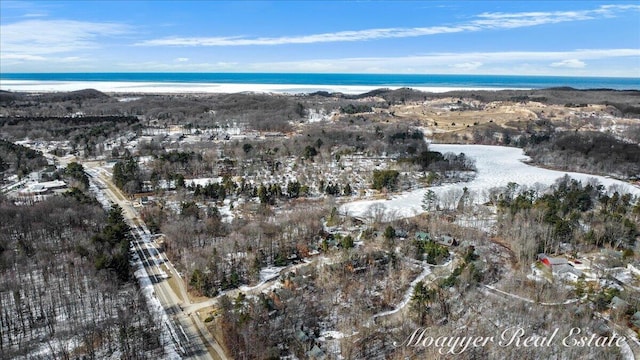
(551, 261)
(316, 353)
(560, 267)
(302, 336)
(618, 307)
(635, 319)
(447, 240)
(617, 303)
(423, 236)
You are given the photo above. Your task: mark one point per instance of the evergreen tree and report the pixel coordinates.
(421, 300)
(389, 233)
(76, 171)
(293, 189)
(263, 194)
(126, 175)
(347, 242)
(385, 179)
(113, 245)
(347, 190)
(429, 201)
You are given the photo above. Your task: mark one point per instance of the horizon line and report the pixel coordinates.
(311, 73)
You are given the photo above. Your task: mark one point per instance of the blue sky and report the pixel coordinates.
(582, 38)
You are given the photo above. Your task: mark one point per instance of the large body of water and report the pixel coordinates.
(344, 80)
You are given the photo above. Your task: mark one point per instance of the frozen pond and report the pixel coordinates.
(497, 166)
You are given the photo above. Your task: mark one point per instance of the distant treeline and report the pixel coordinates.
(68, 120)
(259, 111)
(626, 101)
(85, 131)
(7, 97)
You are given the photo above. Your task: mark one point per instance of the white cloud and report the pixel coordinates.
(484, 21)
(182, 59)
(38, 37)
(177, 66)
(513, 20)
(34, 15)
(23, 57)
(16, 59)
(340, 36)
(472, 65)
(570, 63)
(611, 62)
(517, 20)
(504, 62)
(72, 59)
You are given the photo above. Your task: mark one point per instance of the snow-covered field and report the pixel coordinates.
(497, 166)
(203, 181)
(160, 87)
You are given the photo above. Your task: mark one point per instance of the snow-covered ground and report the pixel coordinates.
(128, 99)
(203, 181)
(160, 87)
(318, 115)
(266, 274)
(497, 166)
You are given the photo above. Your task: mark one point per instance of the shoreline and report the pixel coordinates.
(133, 87)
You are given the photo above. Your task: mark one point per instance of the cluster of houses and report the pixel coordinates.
(174, 134)
(572, 270)
(564, 269)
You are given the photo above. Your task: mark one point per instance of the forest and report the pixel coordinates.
(542, 223)
(18, 159)
(66, 283)
(590, 152)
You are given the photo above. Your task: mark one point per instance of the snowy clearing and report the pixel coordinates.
(497, 166)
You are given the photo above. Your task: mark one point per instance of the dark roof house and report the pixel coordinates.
(635, 319)
(316, 353)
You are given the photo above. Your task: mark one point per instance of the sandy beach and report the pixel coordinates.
(193, 88)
